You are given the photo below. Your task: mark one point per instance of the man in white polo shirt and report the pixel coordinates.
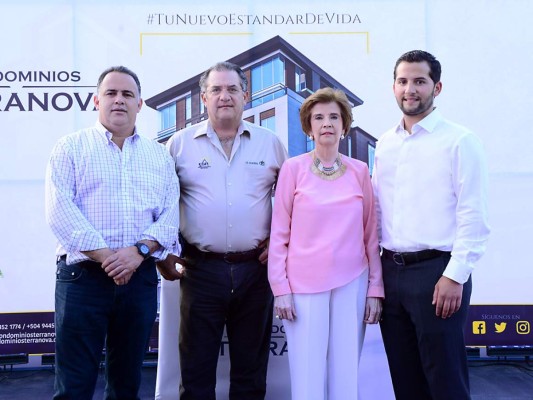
(227, 169)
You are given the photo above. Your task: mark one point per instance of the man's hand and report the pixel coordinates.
(263, 257)
(122, 264)
(99, 255)
(168, 268)
(447, 297)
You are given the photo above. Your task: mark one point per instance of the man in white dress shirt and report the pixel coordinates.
(227, 169)
(430, 181)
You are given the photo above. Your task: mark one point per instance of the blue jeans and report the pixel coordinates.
(92, 312)
(215, 294)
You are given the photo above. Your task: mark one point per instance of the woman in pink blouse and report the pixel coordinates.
(323, 261)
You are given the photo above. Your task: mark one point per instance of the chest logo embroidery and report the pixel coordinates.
(261, 163)
(204, 164)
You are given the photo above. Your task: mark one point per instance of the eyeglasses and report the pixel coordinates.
(216, 90)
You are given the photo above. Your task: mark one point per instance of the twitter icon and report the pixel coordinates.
(500, 327)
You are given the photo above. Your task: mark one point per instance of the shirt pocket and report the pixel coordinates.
(258, 176)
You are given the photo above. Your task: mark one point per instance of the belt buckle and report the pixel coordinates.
(228, 258)
(396, 257)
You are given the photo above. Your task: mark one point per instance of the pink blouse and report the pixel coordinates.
(324, 233)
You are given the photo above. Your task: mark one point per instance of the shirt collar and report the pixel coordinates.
(427, 124)
(102, 131)
(206, 128)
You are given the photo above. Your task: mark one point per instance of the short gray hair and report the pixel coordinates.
(224, 66)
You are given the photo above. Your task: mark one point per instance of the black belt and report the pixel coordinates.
(407, 258)
(234, 257)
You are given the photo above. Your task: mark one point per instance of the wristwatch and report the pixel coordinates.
(143, 249)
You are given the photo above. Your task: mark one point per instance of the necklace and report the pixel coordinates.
(328, 173)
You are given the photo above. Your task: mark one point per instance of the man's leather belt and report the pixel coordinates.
(230, 257)
(408, 258)
(234, 257)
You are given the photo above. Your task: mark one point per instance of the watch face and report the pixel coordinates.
(144, 250)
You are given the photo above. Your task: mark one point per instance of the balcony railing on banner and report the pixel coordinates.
(165, 134)
(266, 95)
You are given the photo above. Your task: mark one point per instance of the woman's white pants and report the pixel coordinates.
(325, 342)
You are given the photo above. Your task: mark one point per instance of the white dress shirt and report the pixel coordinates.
(226, 204)
(100, 196)
(431, 192)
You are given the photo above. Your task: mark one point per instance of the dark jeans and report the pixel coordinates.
(90, 312)
(215, 294)
(426, 354)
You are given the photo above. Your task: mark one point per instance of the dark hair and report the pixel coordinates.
(224, 66)
(414, 56)
(326, 95)
(123, 70)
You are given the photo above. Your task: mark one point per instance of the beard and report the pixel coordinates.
(423, 106)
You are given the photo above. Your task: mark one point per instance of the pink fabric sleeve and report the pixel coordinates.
(375, 278)
(280, 232)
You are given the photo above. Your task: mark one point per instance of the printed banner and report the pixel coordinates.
(55, 51)
(487, 325)
(499, 325)
(31, 333)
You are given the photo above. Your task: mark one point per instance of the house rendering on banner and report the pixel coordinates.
(280, 78)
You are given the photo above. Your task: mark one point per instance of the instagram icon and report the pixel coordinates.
(523, 327)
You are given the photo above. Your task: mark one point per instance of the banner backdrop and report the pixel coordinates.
(53, 52)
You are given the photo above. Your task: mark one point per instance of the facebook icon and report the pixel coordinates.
(479, 327)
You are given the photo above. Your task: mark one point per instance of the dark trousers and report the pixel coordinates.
(92, 312)
(426, 354)
(215, 294)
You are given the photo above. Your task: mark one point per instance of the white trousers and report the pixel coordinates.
(168, 361)
(325, 342)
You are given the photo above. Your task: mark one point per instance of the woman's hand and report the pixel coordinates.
(373, 310)
(284, 307)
